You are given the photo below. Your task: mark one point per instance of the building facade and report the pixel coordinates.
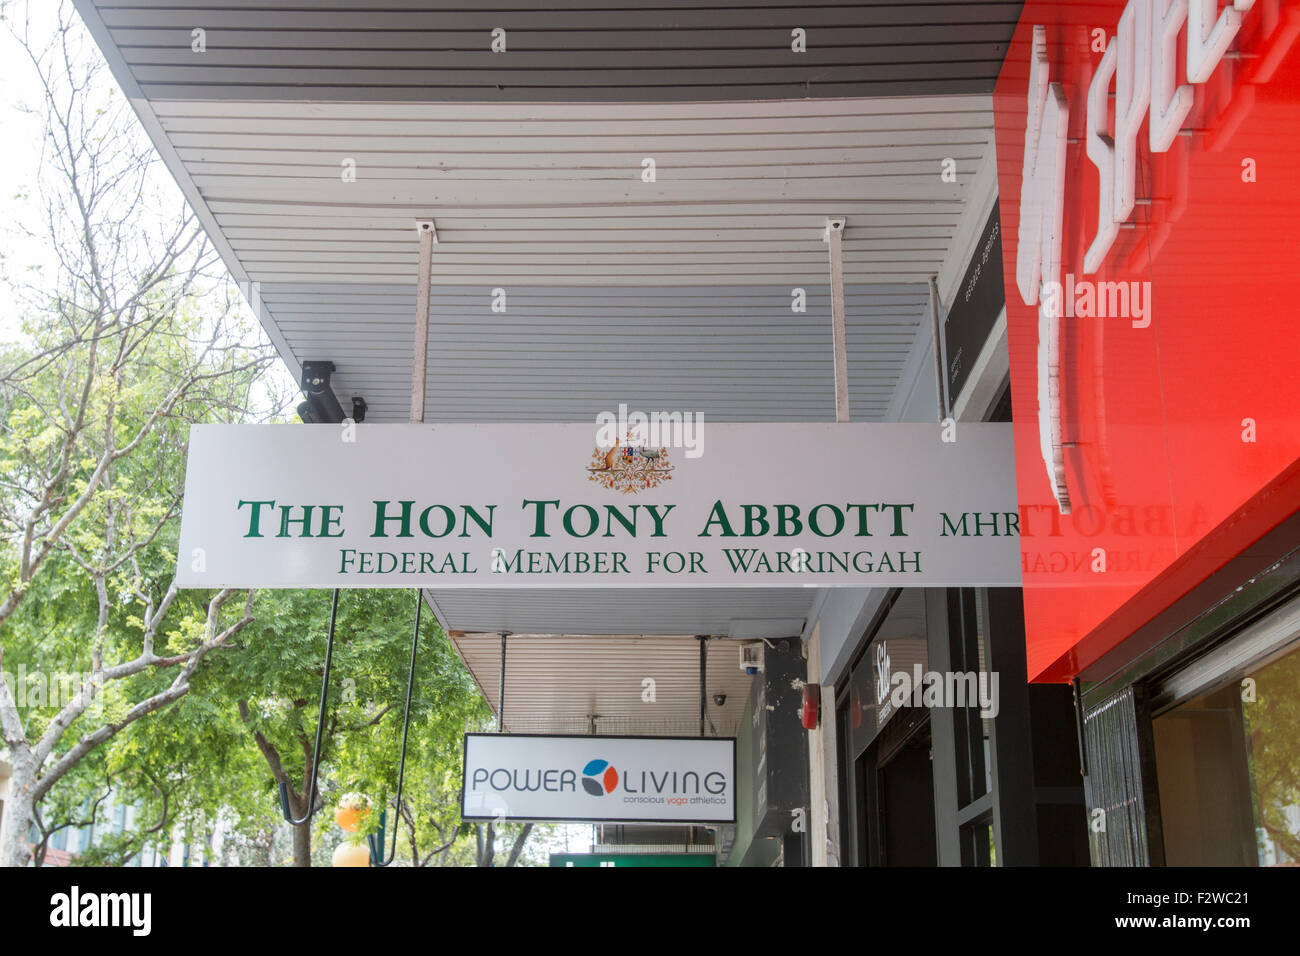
(1158, 472)
(1147, 267)
(548, 223)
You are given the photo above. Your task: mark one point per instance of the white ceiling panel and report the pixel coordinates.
(735, 353)
(571, 684)
(555, 194)
(616, 610)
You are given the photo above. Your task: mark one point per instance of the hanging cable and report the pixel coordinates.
(377, 857)
(320, 726)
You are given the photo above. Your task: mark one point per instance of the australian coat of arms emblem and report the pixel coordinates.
(629, 468)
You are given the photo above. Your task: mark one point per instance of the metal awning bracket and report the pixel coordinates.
(832, 237)
(428, 234)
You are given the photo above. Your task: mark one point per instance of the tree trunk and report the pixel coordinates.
(487, 844)
(519, 844)
(15, 850)
(302, 844)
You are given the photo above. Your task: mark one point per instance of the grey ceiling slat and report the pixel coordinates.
(380, 322)
(456, 5)
(557, 355)
(326, 173)
(775, 247)
(746, 296)
(499, 343)
(504, 132)
(592, 277)
(330, 213)
(433, 108)
(341, 136)
(531, 40)
(774, 60)
(449, 322)
(560, 17)
(374, 160)
(873, 71)
(499, 92)
(906, 233)
(523, 263)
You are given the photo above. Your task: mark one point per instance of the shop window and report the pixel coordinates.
(890, 799)
(967, 645)
(882, 682)
(1228, 770)
(847, 819)
(905, 801)
(967, 633)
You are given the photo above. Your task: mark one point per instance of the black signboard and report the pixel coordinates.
(976, 306)
(900, 647)
(779, 760)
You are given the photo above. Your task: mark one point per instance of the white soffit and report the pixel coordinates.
(545, 191)
(731, 353)
(529, 194)
(616, 610)
(556, 683)
(670, 294)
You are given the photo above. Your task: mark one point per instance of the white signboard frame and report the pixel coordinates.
(536, 506)
(567, 778)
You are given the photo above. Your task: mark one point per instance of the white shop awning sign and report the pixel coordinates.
(503, 505)
(585, 778)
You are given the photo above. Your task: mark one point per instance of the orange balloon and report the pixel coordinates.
(351, 854)
(349, 818)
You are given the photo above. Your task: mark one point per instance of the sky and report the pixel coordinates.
(19, 161)
(21, 158)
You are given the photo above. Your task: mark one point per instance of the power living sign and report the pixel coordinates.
(542, 506)
(642, 779)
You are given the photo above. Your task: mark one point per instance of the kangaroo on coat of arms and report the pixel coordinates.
(629, 468)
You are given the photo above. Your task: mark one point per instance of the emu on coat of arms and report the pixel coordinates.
(629, 468)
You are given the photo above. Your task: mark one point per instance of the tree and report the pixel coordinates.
(72, 807)
(1272, 721)
(430, 831)
(273, 684)
(189, 773)
(487, 843)
(118, 359)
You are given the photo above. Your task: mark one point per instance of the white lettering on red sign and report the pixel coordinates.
(1038, 250)
(1141, 60)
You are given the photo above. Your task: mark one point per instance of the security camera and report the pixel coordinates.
(720, 699)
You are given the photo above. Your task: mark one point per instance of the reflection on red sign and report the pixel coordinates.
(1153, 350)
